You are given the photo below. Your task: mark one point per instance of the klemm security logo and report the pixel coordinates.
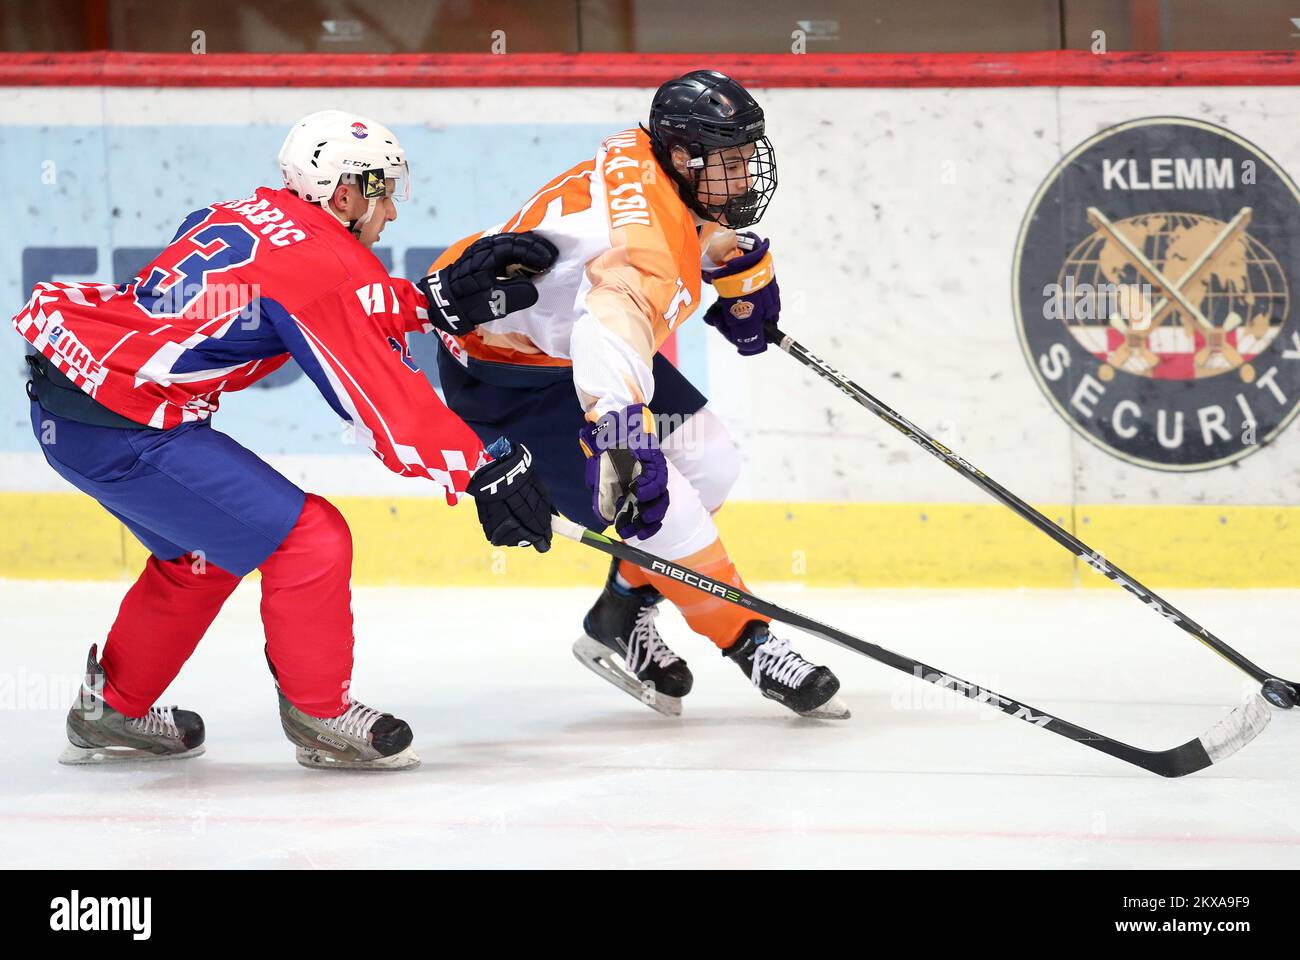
(1152, 287)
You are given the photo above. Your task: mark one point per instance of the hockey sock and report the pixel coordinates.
(307, 610)
(709, 616)
(162, 618)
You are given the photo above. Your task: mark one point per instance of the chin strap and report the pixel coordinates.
(691, 183)
(354, 226)
(365, 217)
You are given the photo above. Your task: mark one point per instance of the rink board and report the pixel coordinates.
(421, 541)
(896, 266)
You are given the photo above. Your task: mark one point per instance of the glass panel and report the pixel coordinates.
(1183, 25)
(822, 26)
(345, 26)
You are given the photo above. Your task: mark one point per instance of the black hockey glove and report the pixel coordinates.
(512, 501)
(490, 279)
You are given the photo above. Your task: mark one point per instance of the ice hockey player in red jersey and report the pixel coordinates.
(124, 382)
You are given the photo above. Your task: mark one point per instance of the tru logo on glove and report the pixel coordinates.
(517, 470)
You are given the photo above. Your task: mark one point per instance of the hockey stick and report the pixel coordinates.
(1222, 740)
(1280, 693)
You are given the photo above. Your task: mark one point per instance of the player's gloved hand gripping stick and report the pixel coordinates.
(626, 471)
(1280, 693)
(748, 296)
(1224, 739)
(512, 501)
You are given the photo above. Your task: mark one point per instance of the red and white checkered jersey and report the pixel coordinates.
(244, 285)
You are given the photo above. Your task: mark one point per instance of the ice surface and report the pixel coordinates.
(529, 760)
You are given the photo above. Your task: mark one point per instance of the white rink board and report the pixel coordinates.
(530, 761)
(894, 229)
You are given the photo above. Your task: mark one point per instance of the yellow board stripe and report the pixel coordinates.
(414, 540)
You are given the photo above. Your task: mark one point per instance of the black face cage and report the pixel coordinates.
(744, 209)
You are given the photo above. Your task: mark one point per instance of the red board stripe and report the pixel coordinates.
(1035, 68)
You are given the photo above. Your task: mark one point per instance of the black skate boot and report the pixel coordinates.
(99, 734)
(784, 676)
(623, 622)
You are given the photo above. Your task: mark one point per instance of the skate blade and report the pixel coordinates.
(599, 659)
(408, 759)
(832, 709)
(75, 756)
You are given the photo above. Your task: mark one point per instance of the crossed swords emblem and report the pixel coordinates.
(1217, 354)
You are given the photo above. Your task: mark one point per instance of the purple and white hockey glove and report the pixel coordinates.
(626, 471)
(748, 297)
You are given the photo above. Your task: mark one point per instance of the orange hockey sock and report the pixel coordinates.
(710, 616)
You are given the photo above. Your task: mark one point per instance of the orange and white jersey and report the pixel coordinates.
(627, 275)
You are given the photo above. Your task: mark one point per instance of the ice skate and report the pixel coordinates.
(360, 738)
(784, 676)
(621, 627)
(99, 734)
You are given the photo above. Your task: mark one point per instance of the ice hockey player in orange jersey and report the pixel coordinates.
(619, 435)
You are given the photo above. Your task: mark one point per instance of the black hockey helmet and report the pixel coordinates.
(702, 112)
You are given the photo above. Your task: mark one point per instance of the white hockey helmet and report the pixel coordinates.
(330, 146)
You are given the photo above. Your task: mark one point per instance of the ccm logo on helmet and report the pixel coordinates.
(518, 470)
